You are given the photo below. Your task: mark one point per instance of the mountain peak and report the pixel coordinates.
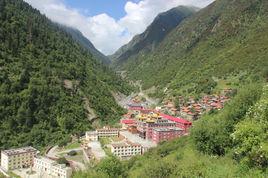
(86, 43)
(153, 35)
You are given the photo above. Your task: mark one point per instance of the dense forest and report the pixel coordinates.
(45, 79)
(229, 143)
(225, 41)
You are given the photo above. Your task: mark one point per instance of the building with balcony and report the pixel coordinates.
(92, 136)
(126, 149)
(108, 132)
(45, 166)
(18, 158)
(165, 134)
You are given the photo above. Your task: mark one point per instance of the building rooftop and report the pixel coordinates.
(45, 159)
(125, 143)
(128, 121)
(91, 132)
(167, 129)
(106, 129)
(135, 105)
(175, 119)
(52, 162)
(19, 151)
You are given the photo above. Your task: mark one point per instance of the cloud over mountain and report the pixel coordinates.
(106, 33)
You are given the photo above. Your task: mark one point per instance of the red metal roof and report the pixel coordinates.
(127, 121)
(175, 119)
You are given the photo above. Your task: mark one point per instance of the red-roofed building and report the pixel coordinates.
(135, 107)
(181, 123)
(127, 122)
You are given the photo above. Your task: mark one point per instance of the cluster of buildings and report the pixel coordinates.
(193, 109)
(123, 149)
(27, 157)
(153, 125)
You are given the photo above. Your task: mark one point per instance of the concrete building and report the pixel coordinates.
(108, 132)
(18, 158)
(165, 134)
(45, 166)
(126, 149)
(92, 136)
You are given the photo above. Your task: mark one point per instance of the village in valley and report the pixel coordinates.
(141, 128)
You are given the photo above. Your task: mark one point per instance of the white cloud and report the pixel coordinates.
(105, 32)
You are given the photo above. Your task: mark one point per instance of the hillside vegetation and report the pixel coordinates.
(146, 42)
(224, 40)
(45, 78)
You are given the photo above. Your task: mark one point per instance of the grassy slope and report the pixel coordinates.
(223, 39)
(147, 41)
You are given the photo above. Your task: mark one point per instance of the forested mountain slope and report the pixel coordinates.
(79, 37)
(45, 77)
(225, 39)
(154, 34)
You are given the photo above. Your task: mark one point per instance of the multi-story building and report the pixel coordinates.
(92, 136)
(45, 166)
(126, 149)
(165, 134)
(18, 158)
(108, 132)
(145, 127)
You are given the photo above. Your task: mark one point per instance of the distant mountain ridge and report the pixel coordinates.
(154, 34)
(222, 41)
(86, 43)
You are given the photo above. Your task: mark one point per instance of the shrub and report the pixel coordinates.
(72, 153)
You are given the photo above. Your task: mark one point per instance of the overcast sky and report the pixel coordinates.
(108, 24)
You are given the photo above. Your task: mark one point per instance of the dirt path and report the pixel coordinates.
(91, 115)
(143, 94)
(124, 100)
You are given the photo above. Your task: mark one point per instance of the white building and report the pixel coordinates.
(92, 136)
(108, 132)
(45, 166)
(18, 158)
(126, 149)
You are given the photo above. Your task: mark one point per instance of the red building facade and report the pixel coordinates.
(165, 134)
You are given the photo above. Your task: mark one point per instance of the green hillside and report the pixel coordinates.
(146, 42)
(46, 79)
(226, 40)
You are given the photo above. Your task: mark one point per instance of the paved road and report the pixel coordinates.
(53, 153)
